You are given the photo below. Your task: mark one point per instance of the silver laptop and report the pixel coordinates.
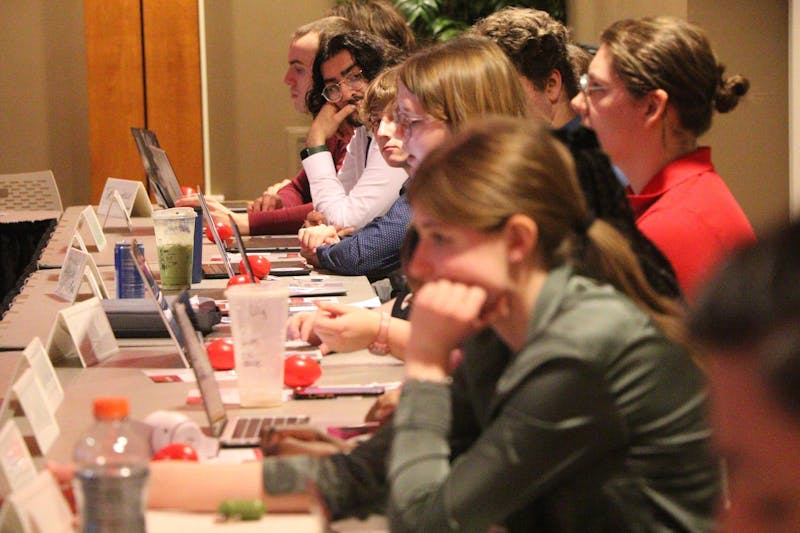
(214, 269)
(235, 431)
(154, 292)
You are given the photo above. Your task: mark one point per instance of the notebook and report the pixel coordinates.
(234, 431)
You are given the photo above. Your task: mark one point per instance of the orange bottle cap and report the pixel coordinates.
(114, 407)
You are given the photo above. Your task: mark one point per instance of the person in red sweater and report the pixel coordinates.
(649, 94)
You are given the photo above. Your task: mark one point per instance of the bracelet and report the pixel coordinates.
(306, 152)
(380, 346)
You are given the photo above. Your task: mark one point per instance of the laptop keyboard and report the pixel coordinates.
(250, 427)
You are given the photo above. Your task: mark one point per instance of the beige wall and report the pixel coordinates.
(43, 99)
(249, 105)
(750, 145)
(43, 90)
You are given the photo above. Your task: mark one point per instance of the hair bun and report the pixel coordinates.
(729, 91)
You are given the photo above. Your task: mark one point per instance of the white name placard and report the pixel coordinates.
(33, 402)
(38, 507)
(73, 272)
(16, 465)
(71, 275)
(82, 329)
(43, 370)
(135, 201)
(89, 217)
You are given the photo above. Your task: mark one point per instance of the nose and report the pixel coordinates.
(386, 128)
(578, 103)
(419, 266)
(289, 78)
(348, 94)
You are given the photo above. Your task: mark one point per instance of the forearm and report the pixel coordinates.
(201, 487)
(351, 484)
(297, 191)
(279, 221)
(420, 458)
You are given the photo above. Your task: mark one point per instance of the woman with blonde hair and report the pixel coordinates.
(573, 409)
(650, 92)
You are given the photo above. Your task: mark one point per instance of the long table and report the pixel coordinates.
(35, 309)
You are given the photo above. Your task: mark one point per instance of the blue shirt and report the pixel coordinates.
(372, 251)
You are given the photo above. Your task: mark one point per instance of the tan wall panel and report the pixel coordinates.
(249, 106)
(172, 77)
(588, 18)
(116, 98)
(750, 144)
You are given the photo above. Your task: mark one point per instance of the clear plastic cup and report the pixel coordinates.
(258, 323)
(174, 229)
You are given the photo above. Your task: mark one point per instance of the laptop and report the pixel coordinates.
(145, 139)
(154, 292)
(235, 431)
(160, 174)
(270, 243)
(283, 264)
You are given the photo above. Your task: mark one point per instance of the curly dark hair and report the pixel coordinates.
(606, 197)
(371, 53)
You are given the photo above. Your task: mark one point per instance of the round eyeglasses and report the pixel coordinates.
(333, 93)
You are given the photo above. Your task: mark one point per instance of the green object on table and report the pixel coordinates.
(242, 509)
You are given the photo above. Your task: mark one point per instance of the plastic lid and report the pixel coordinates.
(111, 408)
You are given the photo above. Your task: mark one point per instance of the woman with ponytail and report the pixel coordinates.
(572, 408)
(649, 93)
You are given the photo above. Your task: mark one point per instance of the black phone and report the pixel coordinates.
(290, 271)
(317, 393)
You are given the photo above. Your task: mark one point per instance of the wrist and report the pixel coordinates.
(380, 345)
(313, 149)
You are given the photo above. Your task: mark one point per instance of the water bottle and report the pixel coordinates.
(111, 462)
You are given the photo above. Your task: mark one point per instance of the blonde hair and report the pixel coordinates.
(463, 77)
(380, 94)
(499, 167)
(671, 54)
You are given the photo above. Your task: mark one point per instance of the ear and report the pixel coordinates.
(521, 235)
(656, 107)
(553, 86)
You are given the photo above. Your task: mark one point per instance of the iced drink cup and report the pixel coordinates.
(174, 230)
(258, 323)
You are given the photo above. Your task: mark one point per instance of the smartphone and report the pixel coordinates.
(316, 393)
(290, 271)
(348, 432)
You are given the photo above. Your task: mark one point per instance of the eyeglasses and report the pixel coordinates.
(408, 122)
(355, 80)
(587, 87)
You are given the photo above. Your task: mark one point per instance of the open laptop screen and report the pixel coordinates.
(214, 233)
(145, 138)
(203, 372)
(154, 292)
(165, 176)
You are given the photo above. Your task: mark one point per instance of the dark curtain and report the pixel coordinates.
(21, 244)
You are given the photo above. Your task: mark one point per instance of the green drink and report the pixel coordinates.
(174, 229)
(175, 264)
